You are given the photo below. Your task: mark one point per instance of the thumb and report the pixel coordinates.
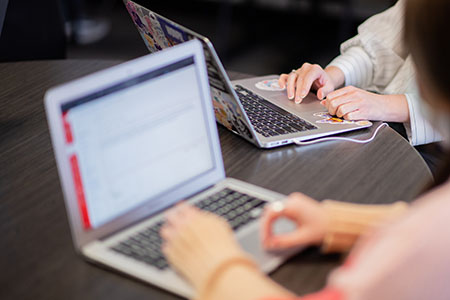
(326, 88)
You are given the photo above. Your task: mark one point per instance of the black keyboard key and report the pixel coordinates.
(237, 208)
(298, 127)
(280, 131)
(269, 119)
(274, 107)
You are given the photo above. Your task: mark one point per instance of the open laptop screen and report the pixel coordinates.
(3, 7)
(136, 140)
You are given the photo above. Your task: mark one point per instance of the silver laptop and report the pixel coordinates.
(255, 108)
(132, 141)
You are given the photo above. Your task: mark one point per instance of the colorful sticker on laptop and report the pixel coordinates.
(154, 28)
(132, 10)
(329, 119)
(148, 26)
(227, 113)
(269, 85)
(173, 34)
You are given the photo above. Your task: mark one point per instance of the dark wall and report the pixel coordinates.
(253, 36)
(32, 30)
(261, 37)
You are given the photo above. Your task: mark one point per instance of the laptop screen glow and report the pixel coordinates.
(134, 141)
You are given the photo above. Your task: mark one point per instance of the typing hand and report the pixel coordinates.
(196, 242)
(352, 103)
(310, 77)
(309, 216)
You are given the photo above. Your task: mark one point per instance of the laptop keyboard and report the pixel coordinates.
(269, 119)
(237, 208)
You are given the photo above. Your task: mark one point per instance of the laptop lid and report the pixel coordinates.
(3, 7)
(160, 33)
(133, 140)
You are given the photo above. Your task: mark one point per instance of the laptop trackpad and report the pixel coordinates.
(268, 260)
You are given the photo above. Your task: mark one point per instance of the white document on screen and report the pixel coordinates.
(139, 142)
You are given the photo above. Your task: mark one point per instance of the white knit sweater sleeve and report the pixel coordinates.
(371, 59)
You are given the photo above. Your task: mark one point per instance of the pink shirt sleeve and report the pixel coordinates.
(326, 294)
(404, 260)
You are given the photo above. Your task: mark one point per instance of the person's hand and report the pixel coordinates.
(196, 242)
(309, 216)
(310, 77)
(352, 103)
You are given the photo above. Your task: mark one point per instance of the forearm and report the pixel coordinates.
(336, 75)
(244, 283)
(348, 222)
(395, 108)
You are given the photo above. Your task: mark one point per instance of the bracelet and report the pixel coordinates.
(223, 266)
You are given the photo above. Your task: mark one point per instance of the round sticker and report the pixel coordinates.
(269, 85)
(363, 123)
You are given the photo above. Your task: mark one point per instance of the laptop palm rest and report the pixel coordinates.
(268, 260)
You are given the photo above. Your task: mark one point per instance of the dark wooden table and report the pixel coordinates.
(37, 260)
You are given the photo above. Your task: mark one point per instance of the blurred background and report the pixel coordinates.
(251, 36)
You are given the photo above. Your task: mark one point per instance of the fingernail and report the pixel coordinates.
(304, 93)
(298, 101)
(322, 102)
(291, 97)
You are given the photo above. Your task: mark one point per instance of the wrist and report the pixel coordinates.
(324, 224)
(214, 275)
(336, 75)
(247, 281)
(394, 108)
(341, 232)
(211, 263)
(349, 221)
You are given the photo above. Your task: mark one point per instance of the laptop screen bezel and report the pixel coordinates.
(95, 83)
